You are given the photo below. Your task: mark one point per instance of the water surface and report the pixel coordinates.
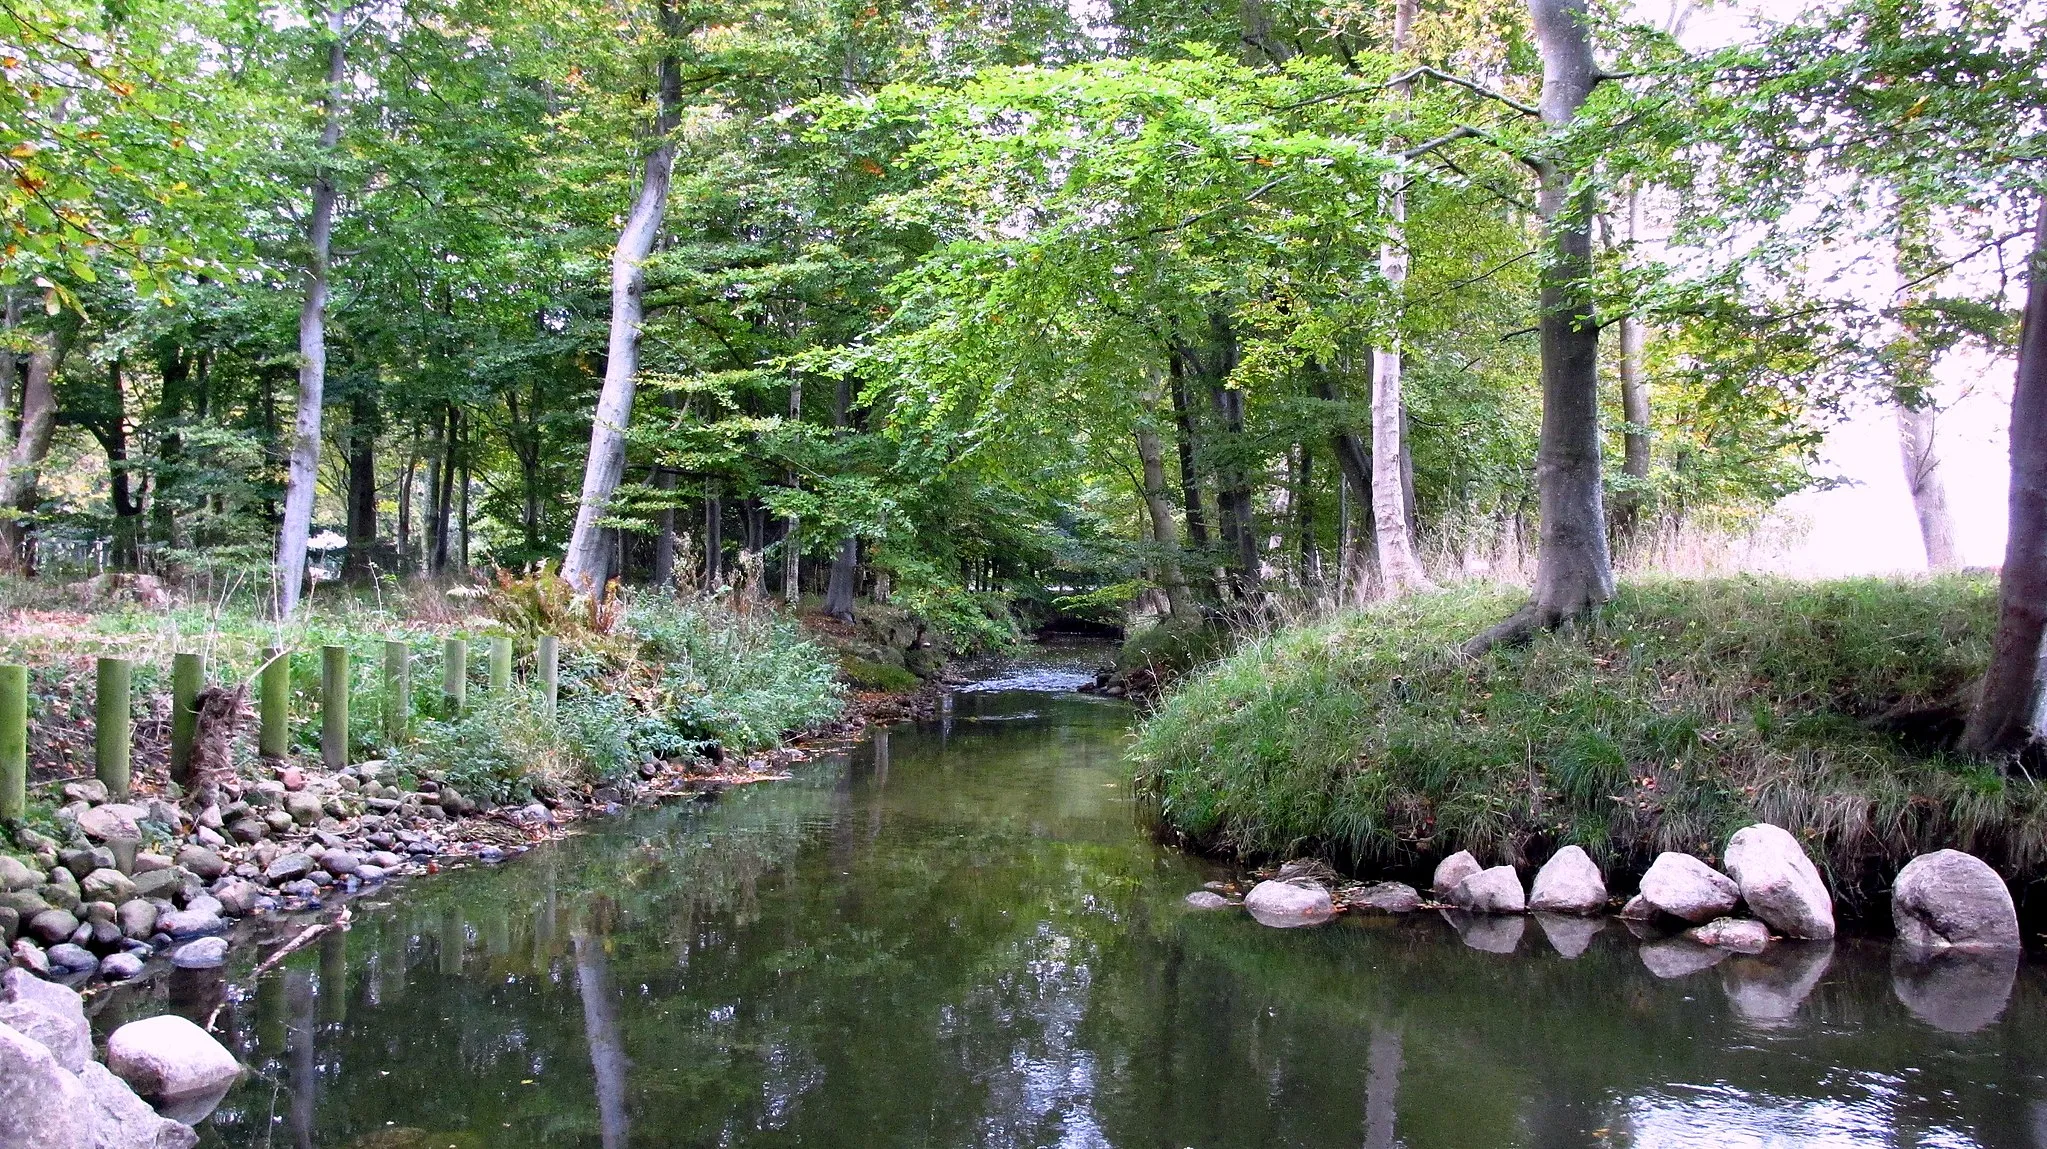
(958, 935)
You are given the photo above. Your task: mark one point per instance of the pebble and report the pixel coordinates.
(120, 967)
(76, 959)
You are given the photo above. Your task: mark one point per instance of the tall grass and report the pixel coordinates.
(1687, 709)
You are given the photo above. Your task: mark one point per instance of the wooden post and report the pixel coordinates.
(113, 726)
(397, 690)
(273, 689)
(188, 678)
(13, 743)
(549, 657)
(334, 707)
(500, 664)
(455, 673)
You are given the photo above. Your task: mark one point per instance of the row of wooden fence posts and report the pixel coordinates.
(113, 723)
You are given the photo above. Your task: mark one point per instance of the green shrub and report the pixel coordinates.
(1685, 710)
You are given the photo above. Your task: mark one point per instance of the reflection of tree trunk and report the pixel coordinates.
(1929, 494)
(305, 1076)
(1382, 1088)
(606, 1041)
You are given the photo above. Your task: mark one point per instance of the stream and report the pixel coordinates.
(958, 934)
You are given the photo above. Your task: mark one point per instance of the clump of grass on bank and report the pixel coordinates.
(1688, 709)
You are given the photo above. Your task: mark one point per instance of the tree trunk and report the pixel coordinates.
(1929, 493)
(1190, 477)
(585, 565)
(362, 491)
(1234, 512)
(1999, 721)
(1573, 569)
(838, 592)
(442, 484)
(18, 494)
(405, 502)
(1304, 522)
(1179, 603)
(302, 468)
(664, 528)
(714, 536)
(1355, 464)
(1399, 568)
(113, 438)
(462, 455)
(10, 371)
(1634, 405)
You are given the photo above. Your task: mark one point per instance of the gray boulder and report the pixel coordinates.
(289, 868)
(238, 896)
(1286, 905)
(190, 923)
(48, 1013)
(1207, 900)
(52, 926)
(122, 1120)
(73, 958)
(1779, 882)
(114, 822)
(202, 861)
(1451, 871)
(42, 1105)
(205, 953)
(137, 918)
(30, 956)
(1684, 887)
(168, 1057)
(1386, 898)
(1948, 899)
(1569, 883)
(120, 967)
(107, 885)
(1494, 891)
(1737, 935)
(340, 863)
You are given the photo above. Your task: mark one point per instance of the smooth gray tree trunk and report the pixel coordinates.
(1634, 403)
(1165, 534)
(1399, 568)
(1998, 722)
(585, 565)
(1573, 567)
(1929, 493)
(303, 462)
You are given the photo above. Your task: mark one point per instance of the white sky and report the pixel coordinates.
(1865, 524)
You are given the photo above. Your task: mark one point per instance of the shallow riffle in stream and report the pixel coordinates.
(959, 934)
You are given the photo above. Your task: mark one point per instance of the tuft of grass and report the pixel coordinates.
(1685, 710)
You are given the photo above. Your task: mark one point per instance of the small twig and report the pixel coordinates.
(339, 922)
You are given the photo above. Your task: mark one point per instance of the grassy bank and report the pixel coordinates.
(648, 676)
(1688, 710)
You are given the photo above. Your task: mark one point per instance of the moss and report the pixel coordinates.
(1685, 710)
(869, 675)
(1170, 650)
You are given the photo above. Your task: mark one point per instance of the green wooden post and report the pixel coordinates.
(334, 707)
(500, 664)
(397, 690)
(188, 677)
(113, 726)
(13, 742)
(273, 692)
(549, 657)
(455, 673)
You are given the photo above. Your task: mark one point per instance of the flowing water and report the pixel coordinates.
(958, 934)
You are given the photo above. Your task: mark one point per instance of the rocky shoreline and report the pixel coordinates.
(137, 886)
(1956, 953)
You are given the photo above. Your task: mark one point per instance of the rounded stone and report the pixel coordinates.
(205, 953)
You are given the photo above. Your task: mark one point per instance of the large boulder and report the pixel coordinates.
(107, 885)
(1287, 904)
(1494, 891)
(166, 1057)
(122, 1120)
(190, 923)
(1386, 898)
(52, 926)
(114, 822)
(1737, 935)
(202, 861)
(1452, 870)
(289, 868)
(1569, 883)
(48, 1013)
(1950, 900)
(42, 1105)
(1684, 887)
(1779, 882)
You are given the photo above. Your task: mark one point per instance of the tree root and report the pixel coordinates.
(1515, 630)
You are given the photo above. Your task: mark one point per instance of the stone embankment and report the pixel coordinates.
(1957, 950)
